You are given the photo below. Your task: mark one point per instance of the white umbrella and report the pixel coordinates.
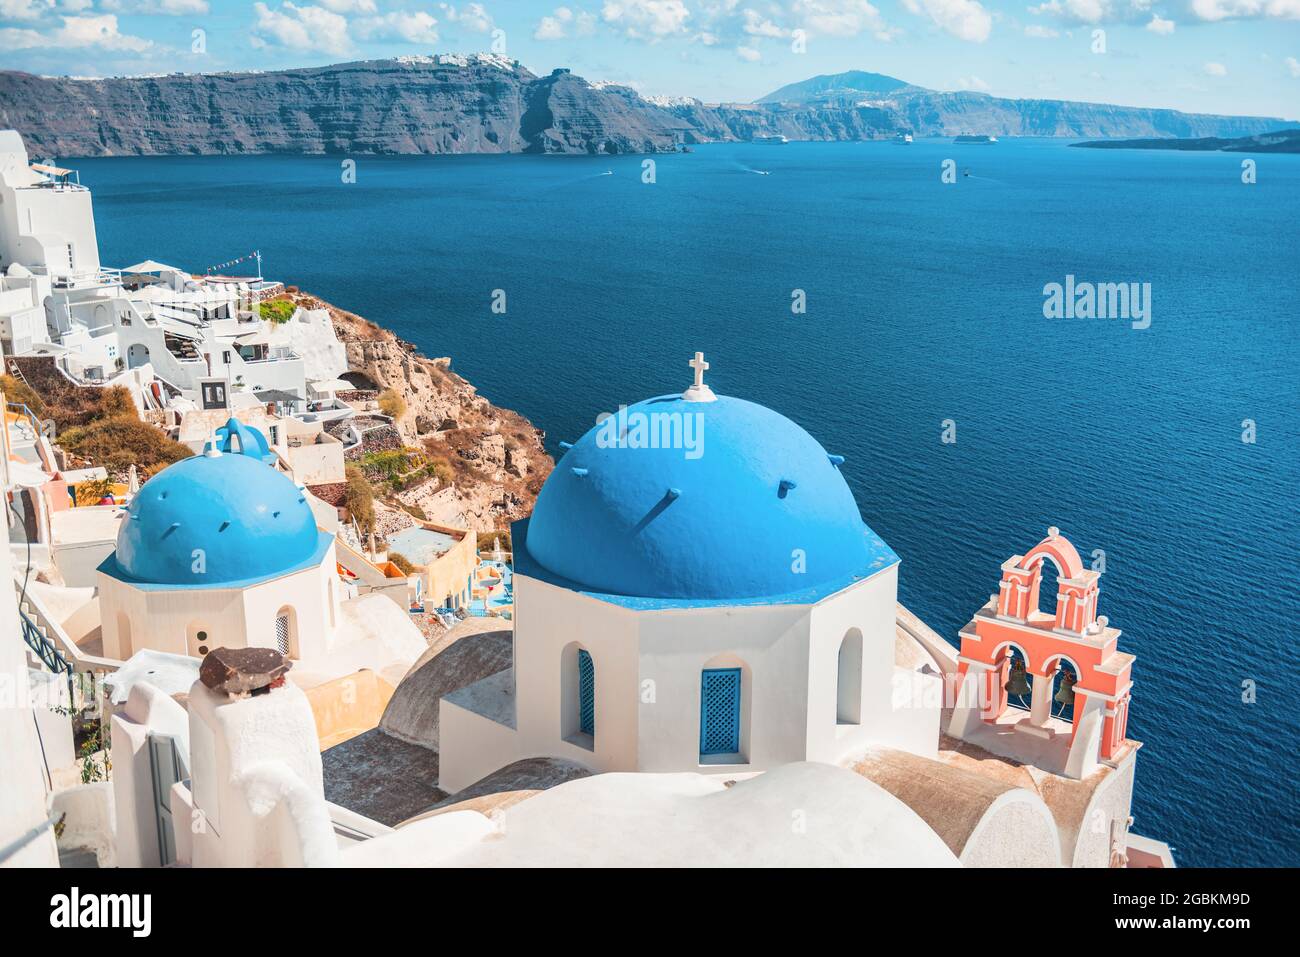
(150, 265)
(132, 480)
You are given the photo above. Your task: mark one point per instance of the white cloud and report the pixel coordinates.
(302, 28)
(749, 54)
(757, 25)
(1160, 25)
(166, 8)
(13, 38)
(652, 19)
(1213, 10)
(549, 28)
(839, 18)
(23, 9)
(20, 10)
(1214, 69)
(1141, 11)
(76, 32)
(1041, 33)
(972, 83)
(1293, 65)
(349, 6)
(564, 22)
(472, 16)
(964, 19)
(1096, 11)
(417, 27)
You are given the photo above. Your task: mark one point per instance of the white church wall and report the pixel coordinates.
(547, 620)
(869, 607)
(313, 617)
(769, 645)
(171, 619)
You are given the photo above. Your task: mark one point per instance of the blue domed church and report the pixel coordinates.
(695, 590)
(220, 550)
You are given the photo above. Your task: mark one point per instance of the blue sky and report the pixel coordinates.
(1221, 56)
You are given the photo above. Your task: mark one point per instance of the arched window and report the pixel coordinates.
(586, 694)
(848, 698)
(286, 632)
(578, 696)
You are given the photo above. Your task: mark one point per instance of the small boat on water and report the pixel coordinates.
(976, 139)
(773, 139)
(903, 138)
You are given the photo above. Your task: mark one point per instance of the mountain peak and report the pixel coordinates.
(835, 85)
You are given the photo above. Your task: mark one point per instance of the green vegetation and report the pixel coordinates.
(278, 310)
(390, 463)
(403, 468)
(360, 499)
(93, 490)
(402, 562)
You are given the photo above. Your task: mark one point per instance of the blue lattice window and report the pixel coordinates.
(586, 694)
(720, 711)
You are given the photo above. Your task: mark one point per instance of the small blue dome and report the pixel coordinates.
(753, 507)
(213, 520)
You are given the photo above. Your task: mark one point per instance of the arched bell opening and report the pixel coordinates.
(1010, 684)
(1066, 677)
(1018, 683)
(1049, 576)
(1053, 692)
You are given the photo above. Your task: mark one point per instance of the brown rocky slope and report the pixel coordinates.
(497, 459)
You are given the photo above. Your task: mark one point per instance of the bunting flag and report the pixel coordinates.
(255, 254)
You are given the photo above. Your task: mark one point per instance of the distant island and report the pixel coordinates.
(484, 103)
(1280, 141)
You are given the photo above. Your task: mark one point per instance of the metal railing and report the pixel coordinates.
(43, 647)
(41, 426)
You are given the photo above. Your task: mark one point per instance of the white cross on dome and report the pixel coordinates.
(698, 391)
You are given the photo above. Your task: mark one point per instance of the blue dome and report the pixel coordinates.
(727, 518)
(214, 520)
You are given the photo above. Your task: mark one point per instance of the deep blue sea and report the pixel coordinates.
(924, 303)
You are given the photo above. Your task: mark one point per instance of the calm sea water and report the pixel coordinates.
(924, 303)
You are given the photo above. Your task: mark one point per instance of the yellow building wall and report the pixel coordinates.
(449, 573)
(348, 706)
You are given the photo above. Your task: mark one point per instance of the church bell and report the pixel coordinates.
(1017, 684)
(1065, 693)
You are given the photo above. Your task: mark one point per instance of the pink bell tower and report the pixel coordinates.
(1074, 636)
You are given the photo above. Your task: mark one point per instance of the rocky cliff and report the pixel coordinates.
(450, 104)
(496, 456)
(867, 116)
(488, 104)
